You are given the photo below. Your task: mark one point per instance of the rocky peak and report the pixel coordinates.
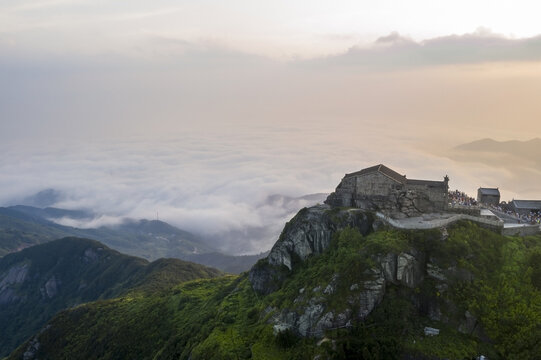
(309, 233)
(311, 230)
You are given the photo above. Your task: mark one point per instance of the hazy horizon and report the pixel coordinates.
(202, 110)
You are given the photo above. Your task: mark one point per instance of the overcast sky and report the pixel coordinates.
(281, 29)
(201, 109)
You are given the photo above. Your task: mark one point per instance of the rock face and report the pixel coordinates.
(311, 315)
(313, 321)
(371, 295)
(51, 287)
(16, 274)
(314, 318)
(310, 233)
(311, 230)
(409, 270)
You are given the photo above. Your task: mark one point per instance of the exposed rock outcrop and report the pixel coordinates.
(51, 287)
(311, 230)
(16, 274)
(310, 233)
(409, 270)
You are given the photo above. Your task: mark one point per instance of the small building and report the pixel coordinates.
(524, 207)
(489, 196)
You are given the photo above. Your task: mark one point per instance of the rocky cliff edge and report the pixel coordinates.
(416, 275)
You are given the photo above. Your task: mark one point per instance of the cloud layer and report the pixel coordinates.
(396, 52)
(221, 185)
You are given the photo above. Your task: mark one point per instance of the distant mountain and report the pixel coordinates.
(43, 198)
(52, 213)
(19, 231)
(512, 166)
(25, 226)
(37, 282)
(526, 150)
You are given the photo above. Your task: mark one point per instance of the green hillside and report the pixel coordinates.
(25, 226)
(479, 289)
(37, 282)
(18, 233)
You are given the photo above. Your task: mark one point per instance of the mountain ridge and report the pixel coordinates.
(529, 149)
(25, 226)
(38, 281)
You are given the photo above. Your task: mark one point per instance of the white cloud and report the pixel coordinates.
(213, 184)
(218, 184)
(96, 222)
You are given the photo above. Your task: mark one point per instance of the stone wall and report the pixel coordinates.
(376, 184)
(494, 225)
(437, 195)
(524, 230)
(378, 192)
(463, 209)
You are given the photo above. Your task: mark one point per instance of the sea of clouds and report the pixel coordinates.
(237, 189)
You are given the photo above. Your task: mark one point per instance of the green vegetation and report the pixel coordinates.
(17, 234)
(493, 278)
(63, 273)
(25, 226)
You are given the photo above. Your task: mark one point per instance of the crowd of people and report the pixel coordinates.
(534, 217)
(460, 198)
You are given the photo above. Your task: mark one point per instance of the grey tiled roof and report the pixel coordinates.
(381, 169)
(395, 176)
(425, 182)
(489, 191)
(527, 204)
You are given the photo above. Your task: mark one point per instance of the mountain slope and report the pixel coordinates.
(526, 149)
(371, 294)
(18, 231)
(148, 239)
(513, 155)
(37, 282)
(24, 226)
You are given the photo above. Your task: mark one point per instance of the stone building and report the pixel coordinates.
(489, 196)
(524, 207)
(379, 188)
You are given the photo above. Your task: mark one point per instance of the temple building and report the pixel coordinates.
(380, 188)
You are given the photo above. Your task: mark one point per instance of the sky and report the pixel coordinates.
(202, 110)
